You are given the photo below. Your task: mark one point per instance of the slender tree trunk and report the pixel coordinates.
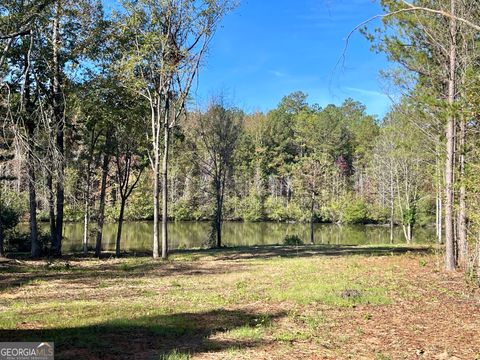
(60, 123)
(392, 206)
(218, 214)
(439, 211)
(120, 224)
(156, 206)
(86, 216)
(312, 220)
(2, 250)
(51, 207)
(437, 214)
(405, 232)
(35, 250)
(60, 202)
(101, 208)
(219, 229)
(166, 140)
(32, 201)
(450, 260)
(462, 206)
(478, 259)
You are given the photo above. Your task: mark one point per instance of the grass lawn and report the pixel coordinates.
(318, 302)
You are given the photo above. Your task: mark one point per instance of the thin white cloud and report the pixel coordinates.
(366, 92)
(277, 73)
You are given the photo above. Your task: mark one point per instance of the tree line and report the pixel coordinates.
(96, 128)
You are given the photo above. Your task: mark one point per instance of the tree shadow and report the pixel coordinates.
(301, 251)
(13, 274)
(148, 337)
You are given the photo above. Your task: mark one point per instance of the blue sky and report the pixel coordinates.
(266, 49)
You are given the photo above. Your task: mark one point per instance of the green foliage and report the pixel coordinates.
(13, 200)
(182, 211)
(20, 242)
(277, 210)
(72, 213)
(10, 217)
(425, 211)
(377, 214)
(410, 216)
(354, 212)
(292, 240)
(249, 208)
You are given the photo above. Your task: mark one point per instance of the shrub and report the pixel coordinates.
(182, 211)
(292, 240)
(251, 209)
(354, 212)
(276, 210)
(10, 217)
(20, 242)
(378, 214)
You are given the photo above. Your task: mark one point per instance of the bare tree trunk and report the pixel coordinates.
(101, 208)
(120, 224)
(219, 229)
(312, 220)
(437, 215)
(2, 235)
(218, 213)
(407, 230)
(35, 250)
(2, 250)
(166, 140)
(32, 202)
(59, 122)
(439, 211)
(478, 260)
(156, 206)
(86, 216)
(51, 207)
(60, 201)
(450, 260)
(392, 205)
(462, 210)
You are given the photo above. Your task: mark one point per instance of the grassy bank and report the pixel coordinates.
(269, 302)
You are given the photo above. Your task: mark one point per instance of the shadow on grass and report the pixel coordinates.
(14, 273)
(272, 251)
(147, 337)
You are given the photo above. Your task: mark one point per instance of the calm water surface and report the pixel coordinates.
(137, 236)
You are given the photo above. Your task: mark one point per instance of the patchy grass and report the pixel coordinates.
(175, 355)
(366, 302)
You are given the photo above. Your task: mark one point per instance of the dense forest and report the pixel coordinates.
(98, 124)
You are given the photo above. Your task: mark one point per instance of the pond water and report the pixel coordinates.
(137, 236)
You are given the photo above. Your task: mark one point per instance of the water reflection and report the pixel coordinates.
(137, 236)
